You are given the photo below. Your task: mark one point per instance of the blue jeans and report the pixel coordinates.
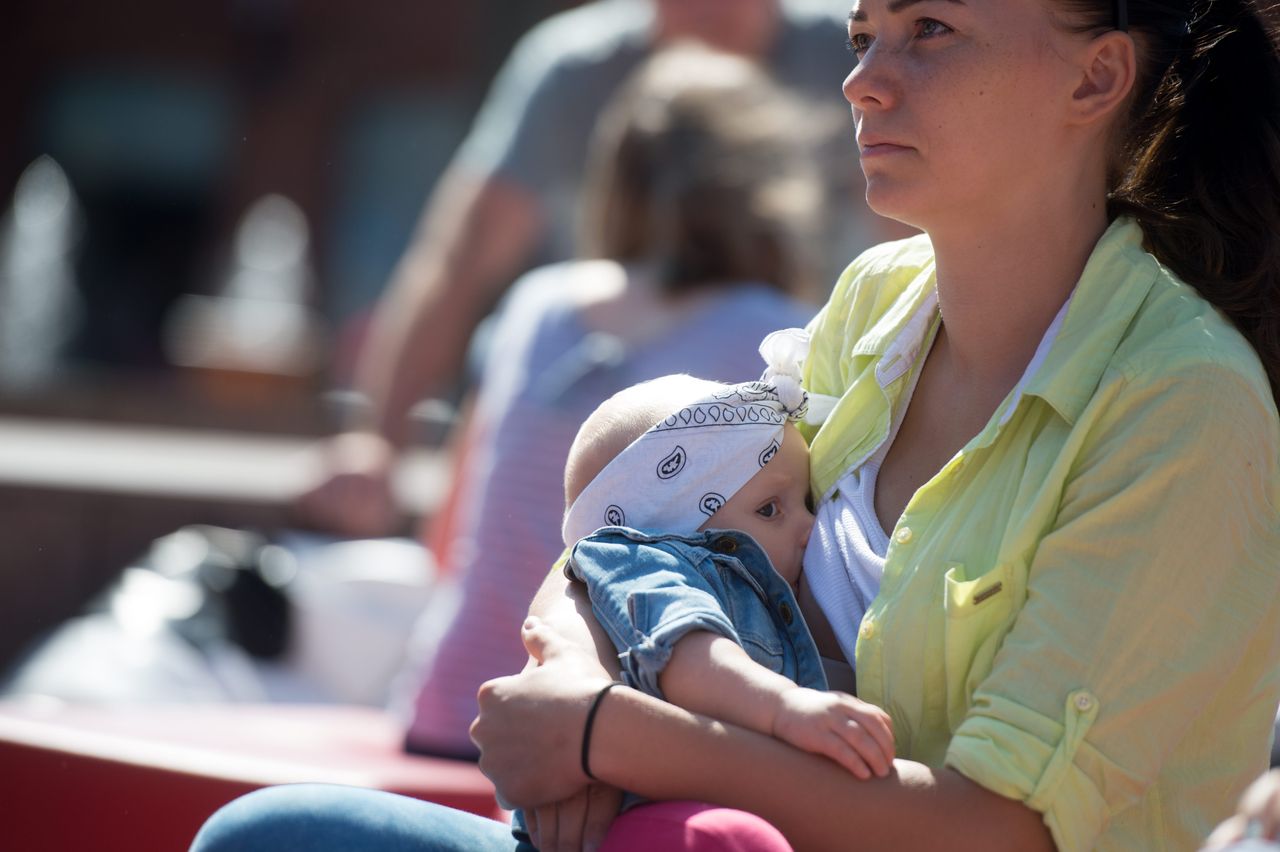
(329, 818)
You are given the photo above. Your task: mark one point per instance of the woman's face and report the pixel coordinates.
(959, 105)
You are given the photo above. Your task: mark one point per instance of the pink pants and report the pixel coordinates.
(692, 827)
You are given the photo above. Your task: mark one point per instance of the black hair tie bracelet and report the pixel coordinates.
(586, 729)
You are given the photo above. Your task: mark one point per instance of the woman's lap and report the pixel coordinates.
(320, 818)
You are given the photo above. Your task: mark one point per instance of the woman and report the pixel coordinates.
(1075, 456)
(1075, 630)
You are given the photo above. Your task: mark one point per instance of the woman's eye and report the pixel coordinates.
(929, 28)
(768, 510)
(859, 43)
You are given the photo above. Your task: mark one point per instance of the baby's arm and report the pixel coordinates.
(676, 641)
(714, 676)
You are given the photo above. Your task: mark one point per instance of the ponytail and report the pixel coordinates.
(1201, 165)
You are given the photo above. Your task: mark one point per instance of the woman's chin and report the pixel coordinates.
(889, 198)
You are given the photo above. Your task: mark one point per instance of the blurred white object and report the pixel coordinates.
(354, 604)
(261, 322)
(39, 305)
(352, 607)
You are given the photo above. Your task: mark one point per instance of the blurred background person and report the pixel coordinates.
(506, 201)
(698, 205)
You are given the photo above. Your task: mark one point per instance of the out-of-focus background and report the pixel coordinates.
(200, 206)
(201, 203)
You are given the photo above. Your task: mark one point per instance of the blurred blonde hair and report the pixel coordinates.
(697, 166)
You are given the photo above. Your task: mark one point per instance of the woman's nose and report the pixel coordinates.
(869, 85)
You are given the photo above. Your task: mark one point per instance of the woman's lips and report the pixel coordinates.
(880, 149)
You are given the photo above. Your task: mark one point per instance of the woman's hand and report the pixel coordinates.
(576, 824)
(1258, 817)
(530, 726)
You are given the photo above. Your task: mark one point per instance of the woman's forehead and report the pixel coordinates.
(894, 7)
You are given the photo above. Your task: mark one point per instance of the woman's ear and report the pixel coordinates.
(1108, 68)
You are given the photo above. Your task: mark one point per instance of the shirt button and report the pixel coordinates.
(904, 535)
(868, 629)
(726, 545)
(784, 610)
(1084, 702)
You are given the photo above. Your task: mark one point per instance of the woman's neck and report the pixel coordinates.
(1000, 283)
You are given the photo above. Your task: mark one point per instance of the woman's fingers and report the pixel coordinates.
(531, 826)
(603, 803)
(540, 639)
(548, 828)
(1227, 832)
(571, 813)
(1258, 815)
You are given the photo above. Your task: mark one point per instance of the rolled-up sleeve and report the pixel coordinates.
(1151, 594)
(647, 598)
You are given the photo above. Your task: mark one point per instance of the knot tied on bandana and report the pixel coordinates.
(784, 353)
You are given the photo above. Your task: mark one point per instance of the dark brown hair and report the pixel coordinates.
(1198, 160)
(696, 167)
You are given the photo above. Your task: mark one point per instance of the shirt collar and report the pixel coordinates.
(1114, 284)
(897, 336)
(1115, 281)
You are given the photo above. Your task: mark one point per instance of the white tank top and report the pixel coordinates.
(844, 560)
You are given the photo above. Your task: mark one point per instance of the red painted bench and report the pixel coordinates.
(146, 777)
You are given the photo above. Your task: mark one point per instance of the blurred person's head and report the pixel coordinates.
(748, 27)
(697, 170)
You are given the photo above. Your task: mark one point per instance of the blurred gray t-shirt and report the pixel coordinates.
(536, 124)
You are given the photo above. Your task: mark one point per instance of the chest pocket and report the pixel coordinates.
(979, 612)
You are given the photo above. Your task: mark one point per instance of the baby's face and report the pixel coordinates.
(773, 507)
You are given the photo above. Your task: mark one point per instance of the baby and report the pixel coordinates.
(688, 517)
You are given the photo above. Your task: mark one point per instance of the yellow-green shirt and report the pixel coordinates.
(1081, 610)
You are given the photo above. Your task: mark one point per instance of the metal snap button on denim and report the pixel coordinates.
(726, 545)
(784, 610)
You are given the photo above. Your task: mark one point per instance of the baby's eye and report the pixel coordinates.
(768, 510)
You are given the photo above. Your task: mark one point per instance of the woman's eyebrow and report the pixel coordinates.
(894, 7)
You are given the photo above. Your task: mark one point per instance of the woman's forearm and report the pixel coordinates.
(564, 606)
(663, 752)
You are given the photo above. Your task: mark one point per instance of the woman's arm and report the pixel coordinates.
(564, 606)
(664, 752)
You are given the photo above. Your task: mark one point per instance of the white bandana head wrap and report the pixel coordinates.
(683, 469)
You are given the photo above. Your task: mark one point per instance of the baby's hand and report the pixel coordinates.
(853, 733)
